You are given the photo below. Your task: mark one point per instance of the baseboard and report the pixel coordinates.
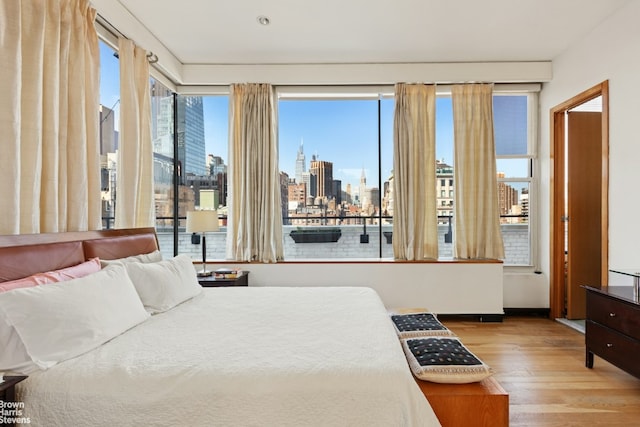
(485, 318)
(533, 312)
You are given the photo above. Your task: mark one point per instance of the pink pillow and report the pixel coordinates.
(62, 275)
(20, 283)
(73, 272)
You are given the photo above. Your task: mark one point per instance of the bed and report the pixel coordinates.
(225, 356)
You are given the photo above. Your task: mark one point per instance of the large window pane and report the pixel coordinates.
(513, 202)
(329, 155)
(444, 130)
(514, 163)
(387, 107)
(514, 221)
(202, 163)
(513, 168)
(162, 137)
(109, 130)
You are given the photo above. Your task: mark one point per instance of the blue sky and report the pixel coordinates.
(343, 132)
(109, 77)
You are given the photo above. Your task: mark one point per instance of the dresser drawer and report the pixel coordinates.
(614, 347)
(616, 314)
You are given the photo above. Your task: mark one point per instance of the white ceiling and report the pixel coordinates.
(362, 31)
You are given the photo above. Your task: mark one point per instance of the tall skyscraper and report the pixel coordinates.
(108, 141)
(162, 119)
(215, 165)
(507, 196)
(191, 148)
(362, 189)
(284, 196)
(323, 172)
(524, 204)
(310, 182)
(388, 202)
(337, 190)
(300, 164)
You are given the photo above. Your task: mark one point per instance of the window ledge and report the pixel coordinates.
(366, 261)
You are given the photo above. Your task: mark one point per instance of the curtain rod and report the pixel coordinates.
(107, 26)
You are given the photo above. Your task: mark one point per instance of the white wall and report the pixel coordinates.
(445, 288)
(369, 74)
(610, 52)
(525, 290)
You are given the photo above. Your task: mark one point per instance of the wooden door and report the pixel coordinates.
(584, 208)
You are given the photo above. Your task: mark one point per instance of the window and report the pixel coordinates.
(336, 156)
(514, 125)
(320, 139)
(336, 159)
(514, 129)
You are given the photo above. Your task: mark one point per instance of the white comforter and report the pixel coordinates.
(241, 357)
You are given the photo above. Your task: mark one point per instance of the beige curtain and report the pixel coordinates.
(477, 217)
(415, 219)
(49, 81)
(254, 229)
(135, 205)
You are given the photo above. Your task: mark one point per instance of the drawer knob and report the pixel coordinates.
(612, 315)
(609, 345)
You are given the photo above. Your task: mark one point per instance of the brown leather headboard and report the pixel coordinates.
(120, 247)
(27, 254)
(23, 261)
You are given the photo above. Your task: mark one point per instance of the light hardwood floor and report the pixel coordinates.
(540, 363)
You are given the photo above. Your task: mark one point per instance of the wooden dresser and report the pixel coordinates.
(613, 327)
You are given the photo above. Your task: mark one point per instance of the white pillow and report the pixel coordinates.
(13, 357)
(154, 256)
(64, 320)
(165, 284)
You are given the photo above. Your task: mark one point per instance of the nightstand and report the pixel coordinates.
(8, 387)
(212, 282)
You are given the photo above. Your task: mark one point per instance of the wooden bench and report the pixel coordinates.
(480, 404)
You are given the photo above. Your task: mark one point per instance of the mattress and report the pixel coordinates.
(241, 357)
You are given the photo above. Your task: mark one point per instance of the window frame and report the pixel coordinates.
(531, 90)
(371, 92)
(532, 178)
(346, 93)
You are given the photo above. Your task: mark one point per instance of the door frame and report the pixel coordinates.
(557, 172)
